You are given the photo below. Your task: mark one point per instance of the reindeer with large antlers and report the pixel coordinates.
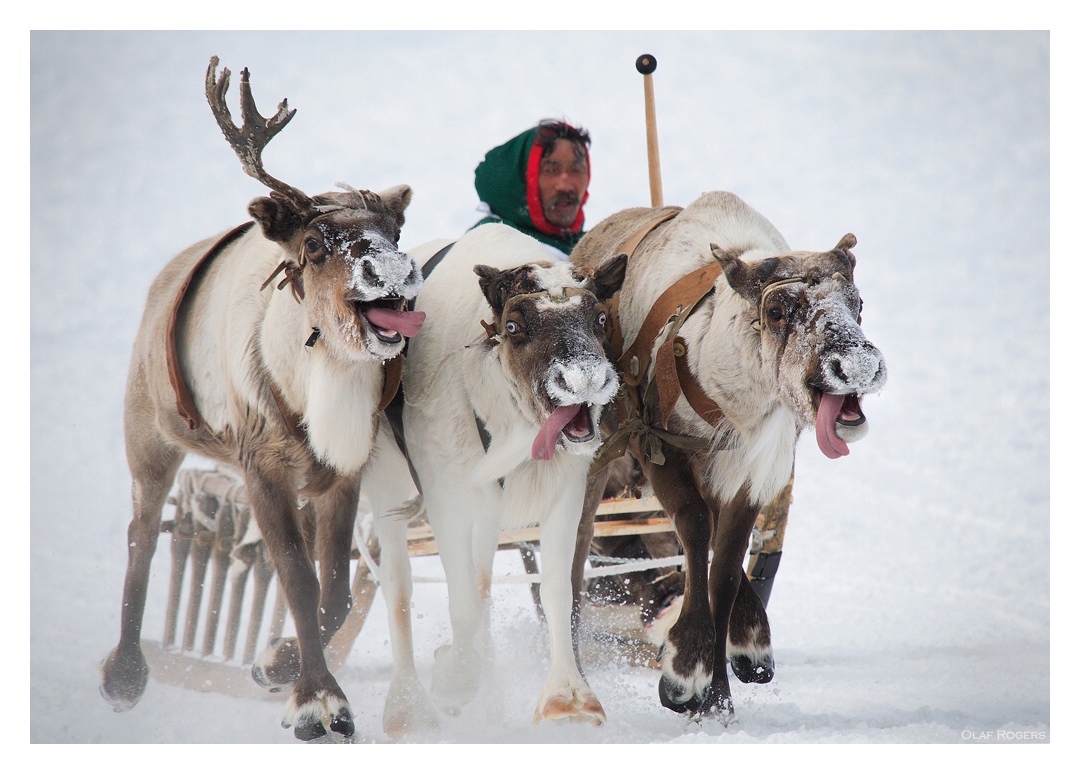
(285, 386)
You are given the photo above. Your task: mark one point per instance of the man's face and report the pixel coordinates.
(564, 176)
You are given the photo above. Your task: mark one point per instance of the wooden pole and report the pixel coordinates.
(646, 65)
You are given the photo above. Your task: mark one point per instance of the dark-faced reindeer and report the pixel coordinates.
(500, 425)
(284, 381)
(729, 345)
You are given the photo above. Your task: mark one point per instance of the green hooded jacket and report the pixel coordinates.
(507, 182)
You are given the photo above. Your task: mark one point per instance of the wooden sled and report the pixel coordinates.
(213, 528)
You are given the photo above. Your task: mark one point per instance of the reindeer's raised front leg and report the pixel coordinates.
(686, 657)
(317, 704)
(124, 672)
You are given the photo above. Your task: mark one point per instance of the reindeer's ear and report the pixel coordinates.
(608, 277)
(737, 273)
(495, 285)
(396, 200)
(843, 247)
(279, 221)
(847, 241)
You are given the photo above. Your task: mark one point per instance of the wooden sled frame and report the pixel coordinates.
(213, 526)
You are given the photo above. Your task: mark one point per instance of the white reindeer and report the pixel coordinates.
(500, 425)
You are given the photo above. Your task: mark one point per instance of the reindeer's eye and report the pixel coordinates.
(776, 314)
(312, 246)
(513, 328)
(601, 319)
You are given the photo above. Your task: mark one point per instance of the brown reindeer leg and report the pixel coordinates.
(594, 493)
(686, 657)
(749, 642)
(264, 574)
(183, 534)
(363, 597)
(326, 523)
(124, 672)
(749, 645)
(335, 517)
(731, 538)
(317, 703)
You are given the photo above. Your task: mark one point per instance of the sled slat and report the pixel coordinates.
(628, 505)
(422, 542)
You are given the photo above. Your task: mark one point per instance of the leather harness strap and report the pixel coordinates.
(673, 376)
(681, 297)
(644, 411)
(391, 379)
(629, 246)
(632, 242)
(185, 405)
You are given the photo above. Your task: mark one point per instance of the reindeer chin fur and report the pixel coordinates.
(852, 433)
(763, 460)
(340, 415)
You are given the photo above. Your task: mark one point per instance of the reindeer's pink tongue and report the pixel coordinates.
(405, 323)
(827, 440)
(543, 447)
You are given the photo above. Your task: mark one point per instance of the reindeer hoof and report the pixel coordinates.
(408, 710)
(324, 714)
(668, 693)
(745, 668)
(715, 706)
(278, 666)
(456, 677)
(576, 705)
(311, 729)
(123, 678)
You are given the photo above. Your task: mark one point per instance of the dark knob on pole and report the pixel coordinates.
(646, 64)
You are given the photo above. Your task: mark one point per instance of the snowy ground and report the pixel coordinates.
(913, 605)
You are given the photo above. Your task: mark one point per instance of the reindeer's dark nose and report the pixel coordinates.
(370, 276)
(561, 383)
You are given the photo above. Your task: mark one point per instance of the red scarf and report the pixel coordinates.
(532, 196)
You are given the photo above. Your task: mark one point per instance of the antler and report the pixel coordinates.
(248, 141)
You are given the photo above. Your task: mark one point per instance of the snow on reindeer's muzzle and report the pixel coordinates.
(576, 387)
(382, 280)
(846, 376)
